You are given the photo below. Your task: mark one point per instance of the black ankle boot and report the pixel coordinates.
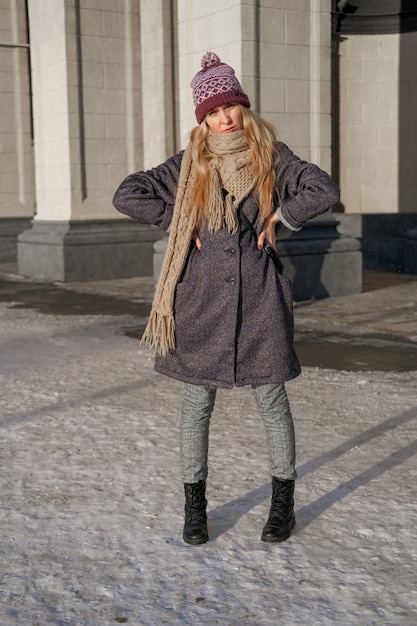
(195, 527)
(281, 519)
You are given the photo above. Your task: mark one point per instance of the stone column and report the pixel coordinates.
(159, 73)
(87, 107)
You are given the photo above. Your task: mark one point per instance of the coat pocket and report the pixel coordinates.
(285, 291)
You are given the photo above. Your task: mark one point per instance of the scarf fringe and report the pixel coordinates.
(230, 214)
(215, 215)
(221, 209)
(159, 333)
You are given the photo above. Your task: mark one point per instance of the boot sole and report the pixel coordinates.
(275, 539)
(196, 542)
(279, 538)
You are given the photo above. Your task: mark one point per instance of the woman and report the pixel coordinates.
(222, 314)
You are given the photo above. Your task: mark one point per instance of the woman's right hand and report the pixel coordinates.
(197, 239)
(268, 233)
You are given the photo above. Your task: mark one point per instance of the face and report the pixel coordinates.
(225, 119)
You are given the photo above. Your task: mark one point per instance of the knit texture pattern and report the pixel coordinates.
(230, 170)
(159, 333)
(214, 85)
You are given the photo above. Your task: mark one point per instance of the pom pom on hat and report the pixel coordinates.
(215, 85)
(209, 59)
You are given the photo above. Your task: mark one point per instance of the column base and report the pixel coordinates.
(10, 228)
(82, 251)
(389, 240)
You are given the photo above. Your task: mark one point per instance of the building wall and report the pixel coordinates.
(377, 124)
(159, 66)
(407, 121)
(295, 75)
(109, 57)
(17, 194)
(369, 133)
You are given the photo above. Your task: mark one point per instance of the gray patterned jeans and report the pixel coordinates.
(275, 410)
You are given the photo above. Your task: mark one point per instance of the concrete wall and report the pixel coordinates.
(16, 154)
(159, 66)
(369, 73)
(295, 75)
(407, 121)
(378, 129)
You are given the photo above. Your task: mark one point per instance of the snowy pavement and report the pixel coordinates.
(92, 500)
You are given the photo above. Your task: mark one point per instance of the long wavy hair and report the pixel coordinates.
(262, 140)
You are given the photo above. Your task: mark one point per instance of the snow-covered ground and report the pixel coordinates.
(92, 500)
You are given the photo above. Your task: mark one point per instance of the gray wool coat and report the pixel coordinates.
(233, 312)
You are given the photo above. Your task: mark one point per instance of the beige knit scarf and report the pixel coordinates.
(230, 169)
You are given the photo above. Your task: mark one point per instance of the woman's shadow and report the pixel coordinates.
(224, 517)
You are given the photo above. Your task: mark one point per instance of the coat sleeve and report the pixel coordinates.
(149, 197)
(304, 189)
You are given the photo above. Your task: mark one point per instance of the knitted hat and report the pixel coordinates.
(214, 85)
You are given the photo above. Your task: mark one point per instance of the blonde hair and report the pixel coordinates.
(262, 140)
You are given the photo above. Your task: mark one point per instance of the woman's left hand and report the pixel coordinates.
(268, 233)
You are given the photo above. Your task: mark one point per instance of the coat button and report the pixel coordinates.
(231, 251)
(232, 281)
